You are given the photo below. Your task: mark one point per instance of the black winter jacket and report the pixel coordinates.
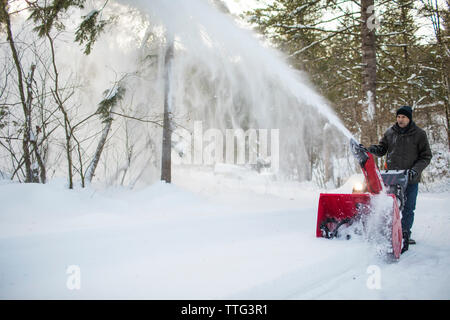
(405, 149)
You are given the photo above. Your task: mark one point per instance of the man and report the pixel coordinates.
(407, 147)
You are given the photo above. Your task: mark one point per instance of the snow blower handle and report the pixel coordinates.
(368, 166)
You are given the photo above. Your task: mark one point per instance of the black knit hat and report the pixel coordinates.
(405, 110)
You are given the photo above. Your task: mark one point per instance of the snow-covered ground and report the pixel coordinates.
(228, 235)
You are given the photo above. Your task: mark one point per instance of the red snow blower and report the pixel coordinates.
(338, 210)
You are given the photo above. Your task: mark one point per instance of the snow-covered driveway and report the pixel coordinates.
(222, 242)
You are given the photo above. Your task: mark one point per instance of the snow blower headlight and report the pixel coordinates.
(358, 187)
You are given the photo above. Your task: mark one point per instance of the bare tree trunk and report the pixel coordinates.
(129, 153)
(98, 151)
(33, 137)
(59, 102)
(166, 161)
(447, 111)
(26, 134)
(106, 111)
(80, 161)
(369, 73)
(406, 55)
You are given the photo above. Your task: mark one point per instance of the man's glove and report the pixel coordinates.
(362, 147)
(373, 149)
(412, 175)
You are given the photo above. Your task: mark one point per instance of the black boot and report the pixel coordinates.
(411, 240)
(405, 241)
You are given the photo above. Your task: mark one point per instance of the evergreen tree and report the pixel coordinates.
(397, 73)
(409, 70)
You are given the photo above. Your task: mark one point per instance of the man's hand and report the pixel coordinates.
(362, 147)
(412, 175)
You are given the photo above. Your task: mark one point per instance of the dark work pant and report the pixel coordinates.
(410, 206)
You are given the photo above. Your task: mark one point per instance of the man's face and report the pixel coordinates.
(402, 121)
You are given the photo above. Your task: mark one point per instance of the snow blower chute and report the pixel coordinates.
(338, 210)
